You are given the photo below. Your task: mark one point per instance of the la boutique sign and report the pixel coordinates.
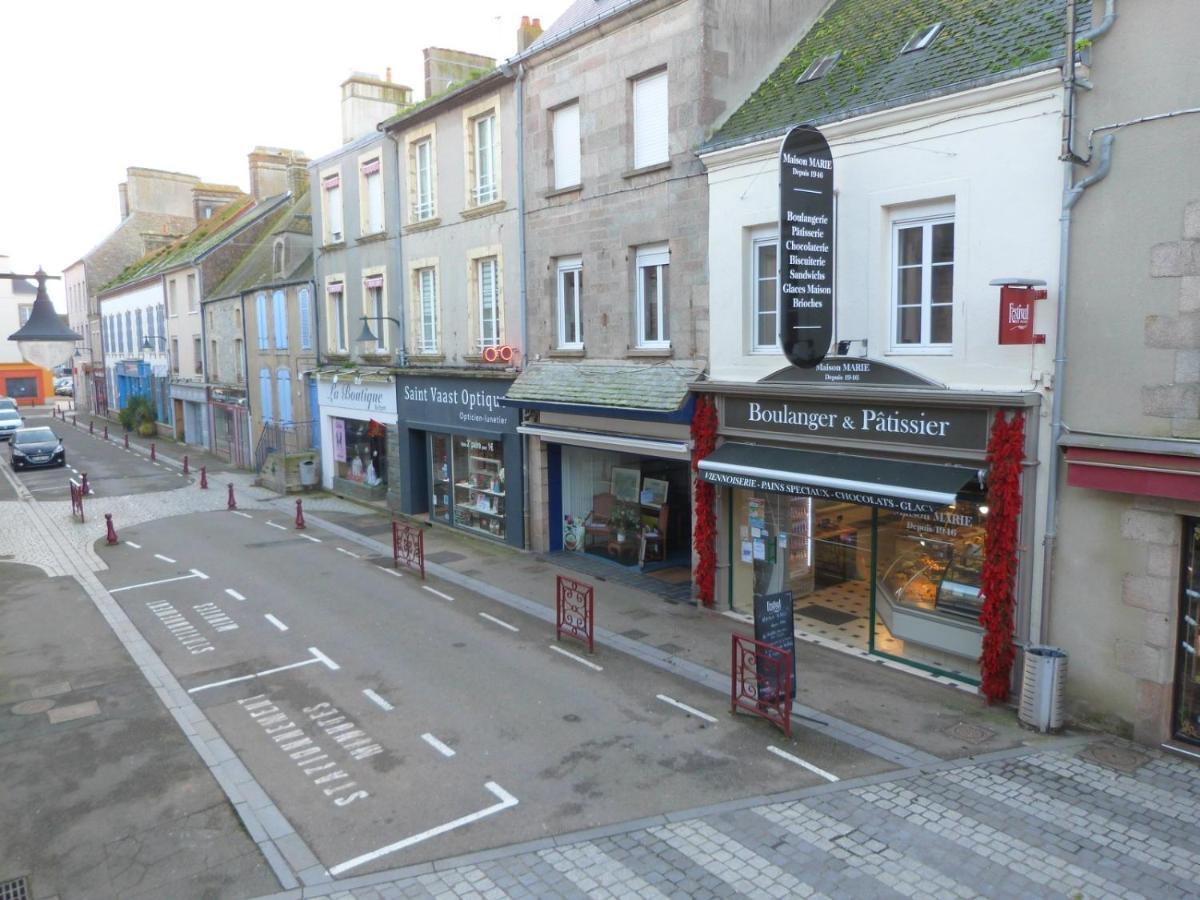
(370, 398)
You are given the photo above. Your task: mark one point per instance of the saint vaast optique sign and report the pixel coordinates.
(806, 246)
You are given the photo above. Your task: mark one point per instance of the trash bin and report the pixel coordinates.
(1042, 687)
(308, 473)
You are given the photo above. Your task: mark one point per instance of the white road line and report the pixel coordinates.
(323, 658)
(499, 622)
(205, 687)
(274, 621)
(199, 574)
(130, 587)
(347, 552)
(783, 754)
(389, 571)
(437, 745)
(309, 537)
(578, 659)
(273, 525)
(506, 799)
(164, 558)
(438, 593)
(243, 515)
(133, 545)
(377, 700)
(234, 594)
(690, 710)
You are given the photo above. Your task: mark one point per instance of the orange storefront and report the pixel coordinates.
(29, 385)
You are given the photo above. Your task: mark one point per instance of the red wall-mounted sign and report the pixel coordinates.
(1016, 315)
(500, 353)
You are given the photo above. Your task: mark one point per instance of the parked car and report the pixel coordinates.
(36, 447)
(10, 421)
(9, 403)
(64, 386)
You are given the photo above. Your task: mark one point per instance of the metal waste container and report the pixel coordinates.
(1042, 687)
(308, 473)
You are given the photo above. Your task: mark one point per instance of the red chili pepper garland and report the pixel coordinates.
(704, 529)
(1006, 448)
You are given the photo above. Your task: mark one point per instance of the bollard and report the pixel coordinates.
(91, 427)
(231, 504)
(106, 434)
(74, 420)
(127, 440)
(153, 452)
(203, 478)
(300, 514)
(185, 464)
(111, 537)
(84, 482)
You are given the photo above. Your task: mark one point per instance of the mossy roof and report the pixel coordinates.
(256, 268)
(980, 41)
(661, 387)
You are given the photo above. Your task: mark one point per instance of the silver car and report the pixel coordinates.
(10, 421)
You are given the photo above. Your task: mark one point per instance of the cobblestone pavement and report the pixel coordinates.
(1020, 824)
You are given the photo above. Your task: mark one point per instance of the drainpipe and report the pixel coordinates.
(1110, 16)
(401, 280)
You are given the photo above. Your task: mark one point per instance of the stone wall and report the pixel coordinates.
(1177, 336)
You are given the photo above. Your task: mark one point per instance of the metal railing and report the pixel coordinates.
(292, 437)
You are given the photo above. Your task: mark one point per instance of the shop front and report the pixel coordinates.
(358, 431)
(460, 454)
(869, 507)
(229, 427)
(189, 401)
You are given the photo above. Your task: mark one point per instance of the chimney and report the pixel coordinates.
(527, 33)
(367, 101)
(271, 170)
(123, 198)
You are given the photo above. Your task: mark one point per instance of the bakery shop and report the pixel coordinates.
(868, 502)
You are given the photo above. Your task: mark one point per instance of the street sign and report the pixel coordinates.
(774, 625)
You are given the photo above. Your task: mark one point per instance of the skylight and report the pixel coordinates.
(922, 38)
(818, 68)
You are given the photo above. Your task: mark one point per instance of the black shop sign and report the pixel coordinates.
(774, 624)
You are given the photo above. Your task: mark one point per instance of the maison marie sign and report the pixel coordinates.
(806, 246)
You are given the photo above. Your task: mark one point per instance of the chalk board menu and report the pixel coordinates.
(806, 246)
(774, 624)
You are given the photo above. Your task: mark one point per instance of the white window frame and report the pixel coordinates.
(569, 268)
(375, 313)
(425, 295)
(479, 191)
(564, 129)
(486, 185)
(651, 120)
(371, 194)
(649, 256)
(493, 336)
(925, 219)
(760, 238)
(335, 308)
(193, 293)
(172, 298)
(422, 181)
(332, 203)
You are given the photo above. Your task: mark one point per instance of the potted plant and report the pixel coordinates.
(625, 519)
(138, 415)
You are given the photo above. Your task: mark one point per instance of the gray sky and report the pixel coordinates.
(89, 89)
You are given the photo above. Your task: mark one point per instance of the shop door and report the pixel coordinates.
(1187, 675)
(441, 488)
(179, 429)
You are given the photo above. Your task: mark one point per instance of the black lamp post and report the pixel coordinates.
(147, 346)
(366, 336)
(41, 339)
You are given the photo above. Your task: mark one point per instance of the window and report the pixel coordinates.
(764, 293)
(922, 38)
(198, 353)
(279, 257)
(570, 321)
(424, 206)
(331, 189)
(652, 296)
(212, 346)
(129, 333)
(260, 309)
(336, 306)
(566, 146)
(427, 292)
(175, 355)
(650, 120)
(162, 324)
(172, 300)
(283, 378)
(264, 393)
(141, 336)
(923, 287)
(305, 319)
(486, 273)
(373, 309)
(487, 188)
(372, 192)
(191, 292)
(279, 307)
(818, 68)
(239, 359)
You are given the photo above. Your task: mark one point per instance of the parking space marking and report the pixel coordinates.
(323, 658)
(133, 545)
(389, 571)
(274, 621)
(438, 593)
(437, 745)
(499, 622)
(309, 537)
(215, 616)
(783, 754)
(243, 515)
(234, 594)
(578, 659)
(377, 700)
(165, 559)
(347, 552)
(273, 525)
(507, 801)
(690, 710)
(296, 665)
(199, 574)
(130, 587)
(183, 630)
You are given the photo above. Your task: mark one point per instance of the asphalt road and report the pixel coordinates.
(394, 721)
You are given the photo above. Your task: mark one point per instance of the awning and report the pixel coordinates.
(908, 487)
(1147, 474)
(619, 442)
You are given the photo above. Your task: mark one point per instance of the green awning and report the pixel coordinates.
(909, 487)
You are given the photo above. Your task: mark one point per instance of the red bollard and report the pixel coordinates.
(74, 420)
(203, 478)
(91, 427)
(127, 440)
(185, 464)
(153, 452)
(106, 434)
(299, 514)
(111, 537)
(83, 482)
(231, 504)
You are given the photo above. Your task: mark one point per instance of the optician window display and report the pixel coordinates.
(468, 483)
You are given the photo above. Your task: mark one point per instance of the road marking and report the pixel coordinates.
(499, 622)
(389, 571)
(133, 545)
(205, 687)
(199, 574)
(438, 593)
(273, 525)
(215, 616)
(234, 594)
(690, 710)
(347, 552)
(828, 776)
(166, 559)
(243, 515)
(377, 700)
(437, 745)
(309, 537)
(578, 659)
(130, 587)
(506, 799)
(323, 658)
(274, 621)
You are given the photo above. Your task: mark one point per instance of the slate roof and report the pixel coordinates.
(257, 267)
(980, 41)
(657, 388)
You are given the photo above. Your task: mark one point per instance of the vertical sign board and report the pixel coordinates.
(806, 246)
(774, 624)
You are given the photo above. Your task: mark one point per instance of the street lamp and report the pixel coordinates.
(147, 346)
(366, 336)
(40, 340)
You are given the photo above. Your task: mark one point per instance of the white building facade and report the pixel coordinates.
(128, 315)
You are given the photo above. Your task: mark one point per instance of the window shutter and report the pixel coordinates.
(566, 146)
(264, 392)
(284, 379)
(305, 320)
(650, 120)
(260, 307)
(279, 302)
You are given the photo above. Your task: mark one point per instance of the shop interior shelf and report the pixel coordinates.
(486, 459)
(462, 485)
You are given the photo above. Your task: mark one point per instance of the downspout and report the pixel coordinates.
(401, 280)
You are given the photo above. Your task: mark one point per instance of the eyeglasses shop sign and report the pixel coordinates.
(951, 428)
